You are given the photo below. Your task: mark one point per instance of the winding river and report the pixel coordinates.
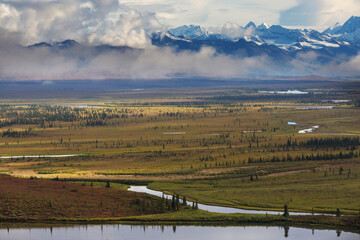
(210, 208)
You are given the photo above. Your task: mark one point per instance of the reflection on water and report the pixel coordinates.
(139, 232)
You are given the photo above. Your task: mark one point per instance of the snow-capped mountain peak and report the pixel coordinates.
(332, 29)
(350, 31)
(282, 37)
(263, 26)
(191, 32)
(351, 25)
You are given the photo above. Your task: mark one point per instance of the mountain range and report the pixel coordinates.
(284, 38)
(336, 44)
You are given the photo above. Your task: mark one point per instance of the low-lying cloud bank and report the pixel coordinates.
(85, 62)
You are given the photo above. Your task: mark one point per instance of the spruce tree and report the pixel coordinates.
(338, 213)
(184, 201)
(173, 204)
(286, 211)
(177, 206)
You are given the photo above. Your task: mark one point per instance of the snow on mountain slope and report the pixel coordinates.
(191, 32)
(278, 43)
(262, 34)
(350, 26)
(285, 38)
(350, 31)
(263, 26)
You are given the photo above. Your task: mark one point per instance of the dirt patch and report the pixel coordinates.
(286, 173)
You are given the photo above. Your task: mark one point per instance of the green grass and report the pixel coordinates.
(306, 192)
(102, 184)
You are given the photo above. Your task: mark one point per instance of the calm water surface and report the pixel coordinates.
(110, 232)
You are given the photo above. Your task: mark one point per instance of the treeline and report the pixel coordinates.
(332, 142)
(311, 157)
(17, 134)
(162, 204)
(93, 123)
(47, 116)
(357, 103)
(147, 206)
(18, 121)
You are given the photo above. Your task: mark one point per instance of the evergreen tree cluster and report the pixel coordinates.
(17, 134)
(311, 157)
(332, 142)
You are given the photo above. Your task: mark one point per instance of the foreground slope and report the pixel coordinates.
(44, 199)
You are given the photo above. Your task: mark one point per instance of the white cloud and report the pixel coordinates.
(319, 14)
(9, 17)
(213, 12)
(338, 11)
(83, 62)
(131, 29)
(96, 21)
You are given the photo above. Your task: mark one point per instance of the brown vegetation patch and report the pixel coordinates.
(44, 199)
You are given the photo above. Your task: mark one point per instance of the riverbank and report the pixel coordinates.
(224, 208)
(303, 190)
(200, 216)
(189, 216)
